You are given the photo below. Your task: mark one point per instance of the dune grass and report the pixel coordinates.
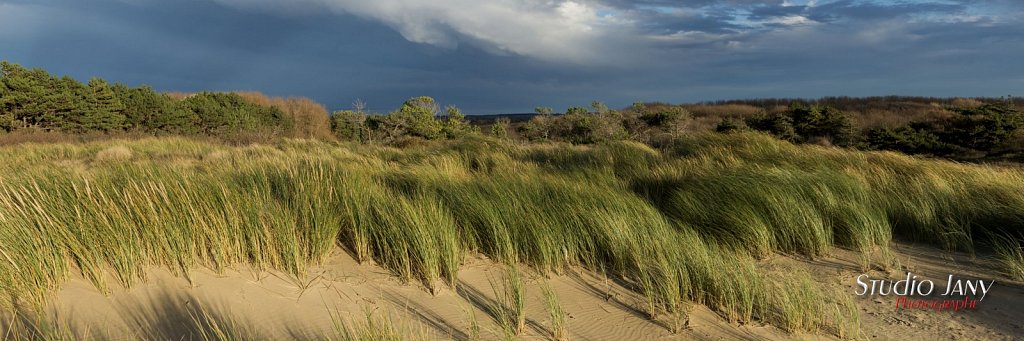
(374, 327)
(559, 323)
(682, 225)
(1010, 255)
(509, 304)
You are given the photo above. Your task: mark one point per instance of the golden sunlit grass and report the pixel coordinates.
(683, 225)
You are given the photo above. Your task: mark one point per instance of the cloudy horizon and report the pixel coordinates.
(504, 56)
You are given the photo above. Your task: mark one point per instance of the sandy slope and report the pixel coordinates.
(275, 306)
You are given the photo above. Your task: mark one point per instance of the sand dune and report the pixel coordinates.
(269, 305)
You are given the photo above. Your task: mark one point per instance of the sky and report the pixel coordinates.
(507, 56)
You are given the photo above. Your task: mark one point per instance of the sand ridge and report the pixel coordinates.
(271, 305)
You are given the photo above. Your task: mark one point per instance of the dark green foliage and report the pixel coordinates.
(983, 128)
(228, 113)
(576, 111)
(149, 111)
(348, 125)
(823, 122)
(577, 126)
(730, 125)
(37, 100)
(802, 123)
(905, 139)
(582, 127)
(780, 125)
(104, 111)
(664, 115)
(974, 132)
(64, 105)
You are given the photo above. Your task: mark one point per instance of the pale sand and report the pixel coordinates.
(277, 306)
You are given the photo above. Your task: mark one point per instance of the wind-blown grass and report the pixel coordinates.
(1010, 254)
(509, 305)
(559, 323)
(685, 224)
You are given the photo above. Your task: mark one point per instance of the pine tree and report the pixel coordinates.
(419, 115)
(456, 125)
(105, 110)
(23, 95)
(66, 104)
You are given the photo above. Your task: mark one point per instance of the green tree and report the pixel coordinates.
(25, 95)
(349, 125)
(730, 125)
(500, 128)
(66, 105)
(153, 112)
(104, 110)
(822, 121)
(664, 116)
(538, 128)
(418, 117)
(576, 111)
(780, 125)
(983, 128)
(456, 126)
(229, 113)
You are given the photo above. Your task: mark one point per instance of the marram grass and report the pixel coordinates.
(683, 225)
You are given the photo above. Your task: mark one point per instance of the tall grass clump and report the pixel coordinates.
(559, 324)
(1010, 255)
(33, 325)
(797, 303)
(510, 302)
(373, 327)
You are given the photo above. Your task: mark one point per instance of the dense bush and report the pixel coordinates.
(780, 125)
(229, 113)
(983, 128)
(33, 99)
(500, 128)
(310, 119)
(663, 116)
(147, 110)
(802, 123)
(906, 139)
(640, 123)
(978, 131)
(731, 125)
(349, 125)
(416, 118)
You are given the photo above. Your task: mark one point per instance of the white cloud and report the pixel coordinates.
(791, 20)
(558, 30)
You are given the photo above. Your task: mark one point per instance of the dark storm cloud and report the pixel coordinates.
(507, 55)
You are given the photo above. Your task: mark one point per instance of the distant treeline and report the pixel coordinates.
(956, 128)
(864, 103)
(32, 100)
